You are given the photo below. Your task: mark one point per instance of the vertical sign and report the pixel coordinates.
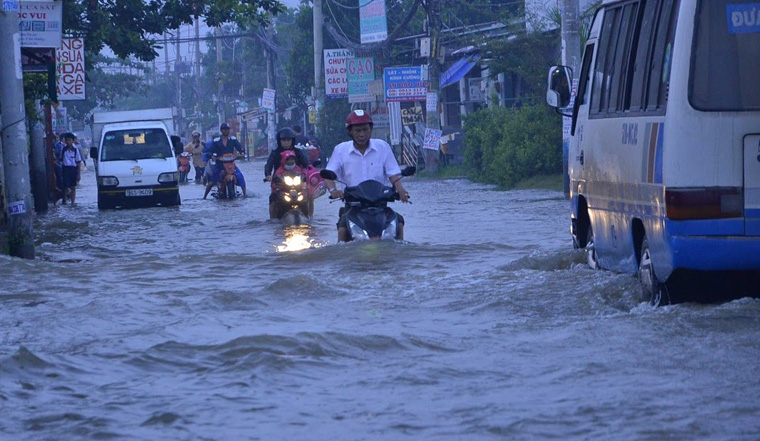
(40, 23)
(372, 22)
(432, 102)
(394, 118)
(360, 73)
(336, 81)
(69, 64)
(267, 99)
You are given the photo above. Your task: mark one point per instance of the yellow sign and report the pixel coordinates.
(312, 116)
(411, 115)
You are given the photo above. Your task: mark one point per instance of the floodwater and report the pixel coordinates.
(210, 322)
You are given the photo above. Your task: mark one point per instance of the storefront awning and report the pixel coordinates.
(458, 70)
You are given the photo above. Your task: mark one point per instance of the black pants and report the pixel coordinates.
(199, 172)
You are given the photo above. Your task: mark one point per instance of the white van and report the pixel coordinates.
(135, 160)
(664, 154)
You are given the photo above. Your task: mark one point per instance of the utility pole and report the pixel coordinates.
(14, 140)
(319, 82)
(571, 56)
(219, 90)
(271, 84)
(433, 117)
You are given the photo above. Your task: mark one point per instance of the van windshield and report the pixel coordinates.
(725, 65)
(120, 145)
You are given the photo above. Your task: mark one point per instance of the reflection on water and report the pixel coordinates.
(297, 238)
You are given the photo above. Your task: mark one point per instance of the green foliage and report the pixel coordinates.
(505, 146)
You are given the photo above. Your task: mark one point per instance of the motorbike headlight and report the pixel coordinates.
(300, 197)
(390, 231)
(296, 180)
(286, 197)
(357, 232)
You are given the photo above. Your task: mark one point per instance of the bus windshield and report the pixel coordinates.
(725, 67)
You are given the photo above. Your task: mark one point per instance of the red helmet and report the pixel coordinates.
(287, 154)
(358, 116)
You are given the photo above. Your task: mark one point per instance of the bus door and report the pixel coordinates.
(752, 185)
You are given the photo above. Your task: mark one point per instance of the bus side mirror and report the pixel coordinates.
(558, 87)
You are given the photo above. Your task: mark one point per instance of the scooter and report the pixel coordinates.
(291, 198)
(184, 166)
(229, 180)
(368, 215)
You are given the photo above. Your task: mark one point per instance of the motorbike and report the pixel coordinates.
(229, 179)
(368, 215)
(291, 198)
(184, 159)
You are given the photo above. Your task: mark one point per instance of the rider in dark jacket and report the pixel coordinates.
(285, 141)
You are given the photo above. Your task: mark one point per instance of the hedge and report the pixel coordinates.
(504, 146)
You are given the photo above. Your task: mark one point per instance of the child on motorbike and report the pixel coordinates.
(288, 159)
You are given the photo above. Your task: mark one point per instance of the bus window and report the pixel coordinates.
(726, 57)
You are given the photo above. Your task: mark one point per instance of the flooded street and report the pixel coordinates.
(208, 321)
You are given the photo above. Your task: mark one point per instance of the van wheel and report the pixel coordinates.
(104, 204)
(173, 200)
(592, 259)
(651, 287)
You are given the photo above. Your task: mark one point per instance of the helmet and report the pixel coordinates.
(286, 132)
(358, 116)
(287, 154)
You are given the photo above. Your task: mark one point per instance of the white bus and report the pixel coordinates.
(664, 153)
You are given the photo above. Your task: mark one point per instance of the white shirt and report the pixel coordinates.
(377, 163)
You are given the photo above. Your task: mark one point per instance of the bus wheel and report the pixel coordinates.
(651, 288)
(592, 259)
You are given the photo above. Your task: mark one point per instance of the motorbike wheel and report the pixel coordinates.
(182, 177)
(230, 189)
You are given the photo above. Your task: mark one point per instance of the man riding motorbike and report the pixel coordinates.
(361, 159)
(225, 144)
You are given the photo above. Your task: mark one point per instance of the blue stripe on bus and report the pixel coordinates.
(658, 154)
(715, 253)
(706, 227)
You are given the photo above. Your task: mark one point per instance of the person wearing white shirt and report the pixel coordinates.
(363, 158)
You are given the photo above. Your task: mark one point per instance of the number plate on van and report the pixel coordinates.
(140, 192)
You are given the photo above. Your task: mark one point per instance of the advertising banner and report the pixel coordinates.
(267, 99)
(69, 65)
(432, 139)
(373, 24)
(405, 84)
(336, 80)
(40, 23)
(360, 73)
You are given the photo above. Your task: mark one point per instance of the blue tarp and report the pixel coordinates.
(458, 70)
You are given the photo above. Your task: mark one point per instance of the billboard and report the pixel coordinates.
(40, 23)
(336, 81)
(405, 83)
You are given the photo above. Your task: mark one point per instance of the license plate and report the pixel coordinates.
(140, 192)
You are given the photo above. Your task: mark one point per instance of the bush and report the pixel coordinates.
(505, 146)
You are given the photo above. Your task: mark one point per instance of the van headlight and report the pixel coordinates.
(108, 181)
(168, 177)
